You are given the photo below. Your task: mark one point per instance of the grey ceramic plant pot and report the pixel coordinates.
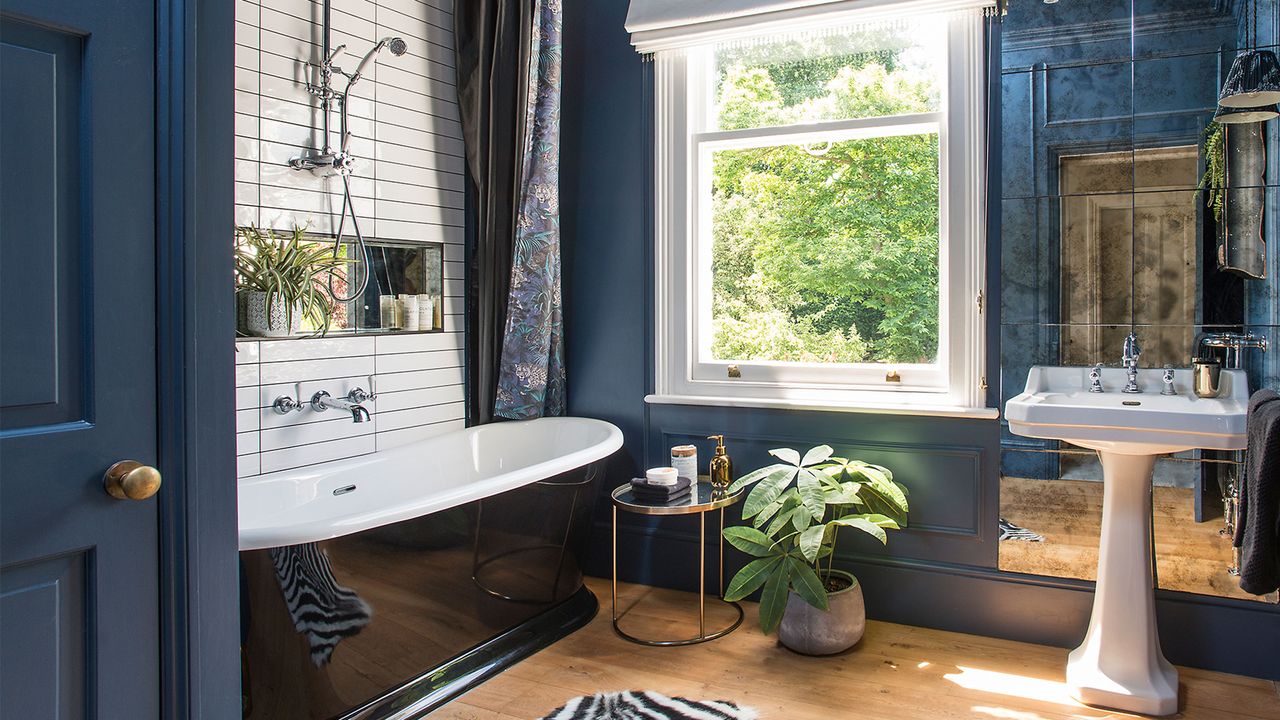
(276, 323)
(810, 631)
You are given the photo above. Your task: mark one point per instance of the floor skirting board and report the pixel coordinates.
(1223, 634)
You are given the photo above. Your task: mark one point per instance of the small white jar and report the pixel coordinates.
(665, 476)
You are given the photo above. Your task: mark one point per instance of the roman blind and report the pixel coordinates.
(665, 24)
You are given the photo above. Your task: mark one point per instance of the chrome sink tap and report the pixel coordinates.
(1129, 359)
(1095, 378)
(322, 401)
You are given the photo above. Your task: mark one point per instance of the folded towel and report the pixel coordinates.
(660, 494)
(1258, 530)
(642, 488)
(664, 500)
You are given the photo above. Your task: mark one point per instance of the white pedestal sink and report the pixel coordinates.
(1120, 664)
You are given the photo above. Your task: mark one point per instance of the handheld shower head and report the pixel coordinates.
(397, 46)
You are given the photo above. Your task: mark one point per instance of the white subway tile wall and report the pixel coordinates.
(417, 378)
(407, 186)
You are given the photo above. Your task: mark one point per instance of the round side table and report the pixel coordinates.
(701, 501)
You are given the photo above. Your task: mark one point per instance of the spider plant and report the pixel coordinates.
(289, 269)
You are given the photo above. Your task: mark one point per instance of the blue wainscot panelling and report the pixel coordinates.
(947, 464)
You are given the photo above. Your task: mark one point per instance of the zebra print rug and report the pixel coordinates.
(644, 705)
(1009, 531)
(322, 610)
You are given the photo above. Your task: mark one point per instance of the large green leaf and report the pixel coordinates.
(863, 524)
(783, 505)
(766, 491)
(782, 519)
(752, 576)
(786, 455)
(810, 542)
(812, 494)
(881, 520)
(801, 519)
(807, 584)
(882, 495)
(773, 601)
(816, 455)
(749, 540)
(755, 475)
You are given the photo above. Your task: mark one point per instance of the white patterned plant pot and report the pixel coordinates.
(278, 323)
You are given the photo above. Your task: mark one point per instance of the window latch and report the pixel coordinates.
(734, 372)
(892, 376)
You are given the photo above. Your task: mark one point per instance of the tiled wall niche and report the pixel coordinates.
(408, 187)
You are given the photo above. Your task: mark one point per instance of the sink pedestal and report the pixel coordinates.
(1119, 664)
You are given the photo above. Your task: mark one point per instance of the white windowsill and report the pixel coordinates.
(957, 411)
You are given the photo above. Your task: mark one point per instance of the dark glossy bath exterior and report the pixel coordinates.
(394, 621)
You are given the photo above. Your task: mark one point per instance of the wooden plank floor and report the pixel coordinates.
(897, 671)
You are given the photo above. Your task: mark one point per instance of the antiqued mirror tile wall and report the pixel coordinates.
(1105, 111)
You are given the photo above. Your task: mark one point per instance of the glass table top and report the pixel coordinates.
(705, 499)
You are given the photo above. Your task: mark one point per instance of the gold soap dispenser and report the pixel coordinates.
(721, 469)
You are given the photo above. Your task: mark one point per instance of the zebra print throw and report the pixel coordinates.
(1009, 531)
(644, 705)
(321, 609)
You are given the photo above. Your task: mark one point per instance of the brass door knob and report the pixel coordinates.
(131, 480)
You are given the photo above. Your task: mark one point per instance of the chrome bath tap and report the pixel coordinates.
(1129, 360)
(322, 401)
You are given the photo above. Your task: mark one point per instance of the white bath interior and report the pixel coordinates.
(316, 503)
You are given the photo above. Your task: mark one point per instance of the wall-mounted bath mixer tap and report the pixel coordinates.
(322, 401)
(1129, 359)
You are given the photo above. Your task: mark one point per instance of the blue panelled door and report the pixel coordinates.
(79, 591)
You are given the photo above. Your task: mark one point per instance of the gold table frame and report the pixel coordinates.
(708, 500)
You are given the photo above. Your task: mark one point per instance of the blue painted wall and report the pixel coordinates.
(942, 571)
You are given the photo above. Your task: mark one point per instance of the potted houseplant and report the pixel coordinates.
(279, 282)
(797, 509)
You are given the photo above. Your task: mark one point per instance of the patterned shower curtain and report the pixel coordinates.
(531, 378)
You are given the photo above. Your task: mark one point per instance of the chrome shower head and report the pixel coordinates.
(397, 45)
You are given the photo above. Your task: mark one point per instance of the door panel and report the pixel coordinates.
(40, 71)
(42, 616)
(79, 590)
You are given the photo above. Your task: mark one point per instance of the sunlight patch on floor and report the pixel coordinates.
(1009, 685)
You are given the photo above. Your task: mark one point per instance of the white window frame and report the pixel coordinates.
(685, 373)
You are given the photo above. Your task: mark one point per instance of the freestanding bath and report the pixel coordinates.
(381, 586)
